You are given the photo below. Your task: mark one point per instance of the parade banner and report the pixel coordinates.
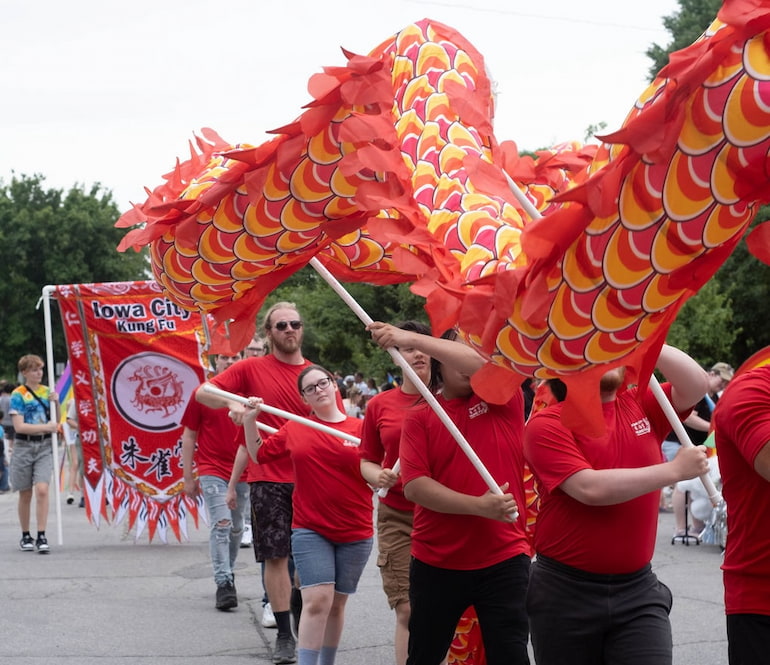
(136, 359)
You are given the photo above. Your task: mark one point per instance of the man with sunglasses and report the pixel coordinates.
(273, 377)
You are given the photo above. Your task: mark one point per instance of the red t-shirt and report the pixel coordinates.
(216, 444)
(609, 540)
(465, 542)
(330, 495)
(742, 424)
(385, 413)
(276, 383)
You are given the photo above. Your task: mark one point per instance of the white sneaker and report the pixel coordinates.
(268, 618)
(246, 536)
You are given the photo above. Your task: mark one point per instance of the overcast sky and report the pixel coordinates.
(111, 92)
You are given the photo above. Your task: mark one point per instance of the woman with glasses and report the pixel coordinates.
(332, 525)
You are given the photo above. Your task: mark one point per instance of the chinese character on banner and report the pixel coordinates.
(136, 359)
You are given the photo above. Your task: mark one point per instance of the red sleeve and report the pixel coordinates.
(192, 414)
(413, 449)
(372, 449)
(273, 447)
(742, 415)
(551, 450)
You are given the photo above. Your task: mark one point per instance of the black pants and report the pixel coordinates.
(439, 596)
(748, 639)
(580, 618)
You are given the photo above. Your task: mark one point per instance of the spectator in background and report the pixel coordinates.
(6, 441)
(34, 410)
(697, 426)
(75, 453)
(361, 384)
(354, 403)
(256, 347)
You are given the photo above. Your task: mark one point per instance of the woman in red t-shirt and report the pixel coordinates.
(332, 525)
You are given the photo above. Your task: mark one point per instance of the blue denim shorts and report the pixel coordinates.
(320, 561)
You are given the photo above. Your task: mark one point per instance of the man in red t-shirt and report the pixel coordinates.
(742, 425)
(209, 438)
(592, 596)
(273, 378)
(467, 547)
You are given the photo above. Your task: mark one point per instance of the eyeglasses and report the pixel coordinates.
(282, 325)
(255, 349)
(323, 384)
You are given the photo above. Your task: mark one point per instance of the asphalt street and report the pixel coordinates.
(101, 596)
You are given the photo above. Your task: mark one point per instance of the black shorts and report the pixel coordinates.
(271, 515)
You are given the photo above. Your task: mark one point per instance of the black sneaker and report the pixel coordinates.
(227, 598)
(285, 650)
(41, 545)
(26, 544)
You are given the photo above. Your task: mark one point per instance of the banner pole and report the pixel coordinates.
(47, 292)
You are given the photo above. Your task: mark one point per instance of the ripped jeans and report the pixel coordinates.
(226, 526)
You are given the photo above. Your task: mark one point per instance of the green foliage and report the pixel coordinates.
(685, 27)
(334, 336)
(746, 281)
(705, 327)
(47, 237)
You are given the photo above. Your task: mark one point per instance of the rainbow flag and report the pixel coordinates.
(66, 392)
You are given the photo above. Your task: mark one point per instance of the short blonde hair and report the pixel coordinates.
(277, 306)
(30, 361)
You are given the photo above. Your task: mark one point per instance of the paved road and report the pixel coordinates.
(101, 597)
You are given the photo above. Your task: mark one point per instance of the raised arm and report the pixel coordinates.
(689, 381)
(459, 356)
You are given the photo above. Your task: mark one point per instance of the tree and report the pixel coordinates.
(49, 237)
(685, 27)
(745, 280)
(705, 327)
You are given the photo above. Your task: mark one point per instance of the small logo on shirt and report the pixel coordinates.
(641, 427)
(478, 410)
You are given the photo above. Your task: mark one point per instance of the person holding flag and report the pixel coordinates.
(379, 455)
(34, 412)
(332, 526)
(598, 518)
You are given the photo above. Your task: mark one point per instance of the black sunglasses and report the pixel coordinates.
(282, 325)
